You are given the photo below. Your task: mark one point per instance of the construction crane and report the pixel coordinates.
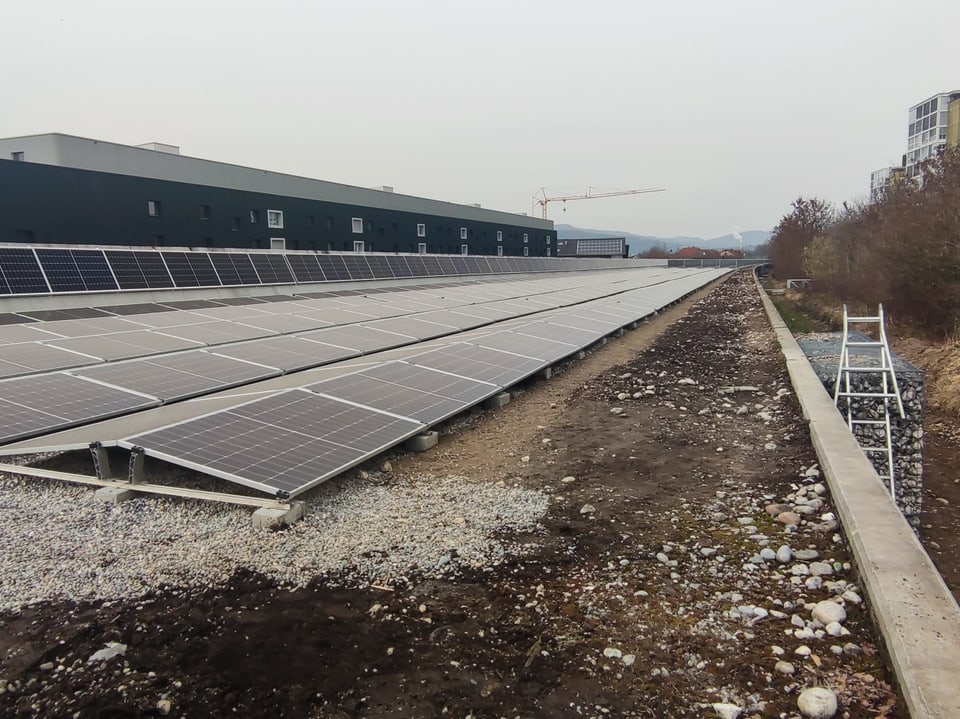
(541, 198)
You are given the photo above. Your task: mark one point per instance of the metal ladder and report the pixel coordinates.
(857, 399)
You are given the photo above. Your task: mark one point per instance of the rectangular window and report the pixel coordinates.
(548, 252)
(358, 245)
(422, 248)
(463, 233)
(526, 251)
(153, 208)
(235, 225)
(421, 230)
(525, 238)
(357, 225)
(275, 219)
(499, 250)
(278, 243)
(499, 235)
(204, 212)
(16, 156)
(464, 249)
(254, 216)
(548, 239)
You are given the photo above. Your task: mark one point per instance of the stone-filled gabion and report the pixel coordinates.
(823, 351)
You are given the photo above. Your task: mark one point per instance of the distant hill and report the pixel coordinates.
(641, 243)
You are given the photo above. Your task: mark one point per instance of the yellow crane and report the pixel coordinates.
(541, 198)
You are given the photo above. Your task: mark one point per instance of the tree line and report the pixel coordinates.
(901, 249)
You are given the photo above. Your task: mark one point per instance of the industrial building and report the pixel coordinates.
(61, 189)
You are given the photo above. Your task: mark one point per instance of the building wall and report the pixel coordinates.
(953, 123)
(927, 130)
(44, 203)
(96, 155)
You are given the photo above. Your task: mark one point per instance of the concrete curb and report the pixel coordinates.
(916, 614)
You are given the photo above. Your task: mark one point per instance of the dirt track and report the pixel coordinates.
(671, 435)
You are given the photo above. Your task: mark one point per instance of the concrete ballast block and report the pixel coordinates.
(497, 401)
(114, 495)
(423, 442)
(275, 518)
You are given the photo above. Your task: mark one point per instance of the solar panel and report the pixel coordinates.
(21, 271)
(413, 326)
(123, 345)
(561, 333)
(407, 390)
(357, 267)
(61, 271)
(39, 357)
(214, 333)
(431, 265)
(245, 269)
(447, 268)
(59, 400)
(203, 269)
(480, 363)
(306, 268)
(180, 269)
(283, 323)
(398, 265)
(271, 268)
(138, 270)
(94, 270)
(417, 266)
(286, 353)
(334, 268)
(526, 345)
(10, 334)
(359, 337)
(379, 267)
(460, 265)
(285, 443)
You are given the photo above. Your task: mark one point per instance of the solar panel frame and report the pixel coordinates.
(245, 269)
(60, 269)
(399, 266)
(333, 268)
(359, 337)
(479, 363)
(153, 270)
(380, 267)
(287, 353)
(124, 345)
(417, 266)
(358, 267)
(94, 270)
(203, 268)
(21, 271)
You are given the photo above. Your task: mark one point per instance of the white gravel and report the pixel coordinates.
(59, 542)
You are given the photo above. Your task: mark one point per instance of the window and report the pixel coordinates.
(16, 156)
(422, 248)
(275, 219)
(254, 216)
(548, 252)
(358, 245)
(464, 249)
(153, 208)
(525, 238)
(499, 250)
(421, 230)
(329, 222)
(204, 212)
(463, 233)
(357, 225)
(235, 225)
(548, 239)
(526, 251)
(499, 235)
(278, 243)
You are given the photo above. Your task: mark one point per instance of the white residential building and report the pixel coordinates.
(927, 130)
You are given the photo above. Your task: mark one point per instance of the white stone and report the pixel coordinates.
(817, 703)
(587, 509)
(783, 667)
(784, 554)
(826, 612)
(727, 711)
(612, 653)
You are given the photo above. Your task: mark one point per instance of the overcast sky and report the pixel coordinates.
(736, 107)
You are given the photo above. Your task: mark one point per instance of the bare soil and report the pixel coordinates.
(526, 638)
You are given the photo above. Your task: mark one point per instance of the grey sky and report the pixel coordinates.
(736, 107)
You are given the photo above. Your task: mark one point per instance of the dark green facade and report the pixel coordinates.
(48, 204)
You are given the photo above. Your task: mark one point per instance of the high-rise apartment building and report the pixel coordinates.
(953, 123)
(927, 130)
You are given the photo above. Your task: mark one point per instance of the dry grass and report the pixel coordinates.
(941, 361)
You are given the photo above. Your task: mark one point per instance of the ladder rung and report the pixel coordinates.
(867, 394)
(863, 319)
(876, 370)
(874, 449)
(862, 343)
(867, 421)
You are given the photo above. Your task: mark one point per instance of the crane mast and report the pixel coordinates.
(541, 198)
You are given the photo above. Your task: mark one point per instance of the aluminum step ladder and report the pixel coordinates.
(878, 364)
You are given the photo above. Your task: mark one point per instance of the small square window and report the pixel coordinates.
(422, 248)
(421, 230)
(526, 251)
(548, 239)
(463, 233)
(525, 238)
(499, 250)
(204, 212)
(275, 219)
(499, 235)
(278, 243)
(464, 249)
(153, 208)
(254, 216)
(358, 245)
(357, 225)
(16, 156)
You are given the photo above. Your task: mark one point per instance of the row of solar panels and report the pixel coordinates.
(42, 403)
(64, 344)
(288, 442)
(38, 270)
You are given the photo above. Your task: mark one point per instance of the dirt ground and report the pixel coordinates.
(544, 634)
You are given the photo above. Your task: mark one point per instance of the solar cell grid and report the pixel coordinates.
(203, 269)
(286, 353)
(61, 271)
(379, 267)
(480, 363)
(425, 379)
(417, 266)
(123, 345)
(280, 268)
(164, 383)
(70, 398)
(43, 357)
(180, 269)
(21, 271)
(334, 268)
(359, 337)
(459, 265)
(153, 270)
(357, 267)
(94, 270)
(431, 264)
(447, 268)
(245, 269)
(226, 272)
(388, 397)
(399, 266)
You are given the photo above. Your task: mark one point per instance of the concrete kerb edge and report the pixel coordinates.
(917, 616)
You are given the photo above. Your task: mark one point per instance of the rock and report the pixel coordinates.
(163, 707)
(587, 509)
(46, 666)
(612, 653)
(817, 703)
(803, 651)
(834, 629)
(820, 569)
(687, 380)
(784, 554)
(707, 551)
(616, 410)
(568, 479)
(663, 558)
(386, 467)
(363, 475)
(727, 711)
(774, 509)
(783, 667)
(768, 554)
(826, 612)
(629, 659)
(788, 518)
(851, 596)
(813, 583)
(111, 650)
(807, 555)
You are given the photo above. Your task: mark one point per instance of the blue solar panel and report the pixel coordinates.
(21, 271)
